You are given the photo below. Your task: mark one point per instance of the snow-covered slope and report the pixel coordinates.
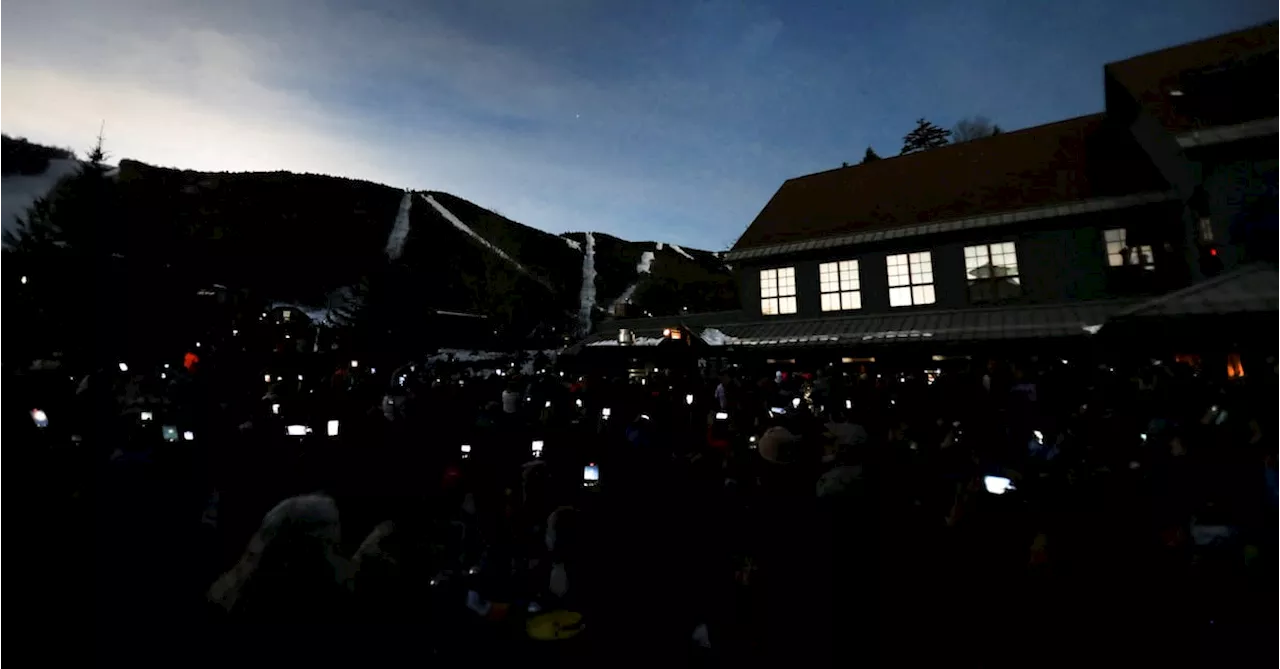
(587, 296)
(400, 230)
(20, 190)
(329, 238)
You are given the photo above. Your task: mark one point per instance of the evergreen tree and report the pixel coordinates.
(925, 136)
(869, 156)
(66, 244)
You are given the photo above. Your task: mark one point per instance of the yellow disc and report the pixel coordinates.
(554, 625)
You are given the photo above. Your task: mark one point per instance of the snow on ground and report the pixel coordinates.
(316, 314)
(640, 341)
(20, 191)
(466, 229)
(715, 337)
(400, 231)
(681, 251)
(467, 355)
(573, 244)
(587, 296)
(464, 355)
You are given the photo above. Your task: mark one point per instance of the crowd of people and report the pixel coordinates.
(984, 513)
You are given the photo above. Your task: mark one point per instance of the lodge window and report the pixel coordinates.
(910, 279)
(992, 270)
(778, 291)
(840, 285)
(1120, 254)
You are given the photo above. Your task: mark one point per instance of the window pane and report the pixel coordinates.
(899, 297)
(1116, 235)
(828, 277)
(893, 260)
(786, 281)
(974, 251)
(830, 301)
(768, 307)
(849, 275)
(787, 305)
(851, 300)
(768, 290)
(922, 294)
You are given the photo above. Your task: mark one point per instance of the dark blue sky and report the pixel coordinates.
(664, 120)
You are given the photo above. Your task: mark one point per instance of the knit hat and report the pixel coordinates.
(778, 445)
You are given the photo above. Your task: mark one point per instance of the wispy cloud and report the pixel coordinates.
(415, 104)
(670, 119)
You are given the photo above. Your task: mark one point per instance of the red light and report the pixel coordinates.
(1213, 252)
(591, 464)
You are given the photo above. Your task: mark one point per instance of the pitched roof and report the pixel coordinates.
(1222, 80)
(1061, 162)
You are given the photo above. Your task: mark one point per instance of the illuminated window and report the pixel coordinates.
(778, 291)
(992, 270)
(910, 279)
(1119, 253)
(841, 289)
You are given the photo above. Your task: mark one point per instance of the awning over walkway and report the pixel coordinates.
(1250, 289)
(967, 325)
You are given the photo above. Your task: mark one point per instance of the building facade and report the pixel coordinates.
(1164, 189)
(1040, 233)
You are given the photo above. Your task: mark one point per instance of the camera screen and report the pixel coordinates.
(997, 485)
